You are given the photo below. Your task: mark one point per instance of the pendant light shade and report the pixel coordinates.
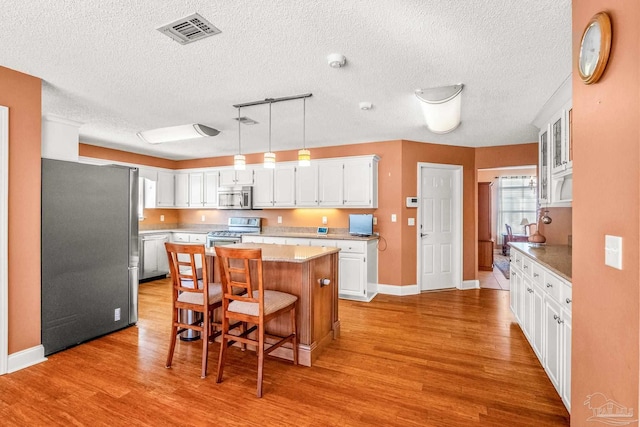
(269, 157)
(304, 155)
(239, 161)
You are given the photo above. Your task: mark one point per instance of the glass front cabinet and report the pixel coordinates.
(543, 167)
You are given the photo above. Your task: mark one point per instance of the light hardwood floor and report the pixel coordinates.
(454, 358)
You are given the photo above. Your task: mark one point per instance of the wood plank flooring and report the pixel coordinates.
(454, 358)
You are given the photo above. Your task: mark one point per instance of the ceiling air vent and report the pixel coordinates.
(189, 29)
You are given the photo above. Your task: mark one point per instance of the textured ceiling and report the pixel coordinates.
(104, 64)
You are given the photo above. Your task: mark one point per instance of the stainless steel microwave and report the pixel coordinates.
(235, 198)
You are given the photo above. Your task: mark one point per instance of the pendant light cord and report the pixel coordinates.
(270, 127)
(239, 134)
(304, 123)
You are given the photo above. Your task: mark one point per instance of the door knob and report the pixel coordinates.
(423, 235)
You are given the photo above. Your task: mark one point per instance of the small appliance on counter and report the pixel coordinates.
(237, 227)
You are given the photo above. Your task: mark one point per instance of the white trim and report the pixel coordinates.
(458, 196)
(398, 290)
(4, 238)
(25, 358)
(470, 284)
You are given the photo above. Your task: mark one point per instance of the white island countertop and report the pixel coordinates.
(283, 253)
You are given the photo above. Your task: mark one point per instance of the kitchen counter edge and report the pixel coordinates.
(556, 258)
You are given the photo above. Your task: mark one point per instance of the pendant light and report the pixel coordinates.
(270, 157)
(239, 161)
(304, 155)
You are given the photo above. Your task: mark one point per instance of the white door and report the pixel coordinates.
(4, 241)
(440, 226)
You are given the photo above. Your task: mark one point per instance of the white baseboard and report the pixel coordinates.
(470, 284)
(398, 290)
(26, 358)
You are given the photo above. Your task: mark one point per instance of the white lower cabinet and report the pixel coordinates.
(195, 238)
(357, 262)
(541, 302)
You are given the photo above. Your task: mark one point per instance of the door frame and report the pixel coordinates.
(4, 239)
(457, 221)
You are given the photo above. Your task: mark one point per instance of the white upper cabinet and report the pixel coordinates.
(165, 189)
(211, 189)
(263, 188)
(307, 186)
(284, 186)
(231, 177)
(330, 191)
(555, 180)
(196, 190)
(359, 181)
(182, 190)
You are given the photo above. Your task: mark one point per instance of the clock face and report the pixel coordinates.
(590, 49)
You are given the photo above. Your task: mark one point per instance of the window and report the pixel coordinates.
(517, 201)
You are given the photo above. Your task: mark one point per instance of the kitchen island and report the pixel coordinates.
(311, 274)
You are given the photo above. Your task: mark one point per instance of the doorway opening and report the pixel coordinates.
(507, 201)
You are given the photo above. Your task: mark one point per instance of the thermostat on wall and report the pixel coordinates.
(323, 230)
(412, 202)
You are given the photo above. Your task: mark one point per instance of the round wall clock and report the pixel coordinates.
(595, 48)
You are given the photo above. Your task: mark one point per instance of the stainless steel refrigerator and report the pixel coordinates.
(89, 251)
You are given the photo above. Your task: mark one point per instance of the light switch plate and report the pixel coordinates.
(324, 220)
(411, 221)
(394, 218)
(279, 219)
(613, 251)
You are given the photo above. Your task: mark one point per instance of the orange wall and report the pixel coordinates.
(22, 94)
(397, 169)
(606, 200)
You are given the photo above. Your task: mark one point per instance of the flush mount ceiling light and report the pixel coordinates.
(441, 107)
(365, 106)
(336, 60)
(176, 133)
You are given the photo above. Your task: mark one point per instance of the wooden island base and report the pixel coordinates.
(311, 274)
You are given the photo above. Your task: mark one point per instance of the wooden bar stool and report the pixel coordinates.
(255, 306)
(203, 298)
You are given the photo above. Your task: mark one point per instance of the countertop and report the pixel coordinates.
(556, 258)
(172, 230)
(283, 253)
(337, 236)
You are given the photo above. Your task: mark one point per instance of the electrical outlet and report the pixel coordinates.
(411, 221)
(375, 220)
(324, 220)
(202, 218)
(161, 218)
(116, 314)
(279, 219)
(394, 218)
(613, 251)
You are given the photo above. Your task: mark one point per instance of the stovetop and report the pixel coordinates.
(238, 227)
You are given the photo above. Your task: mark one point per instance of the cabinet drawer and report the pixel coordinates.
(198, 238)
(537, 273)
(351, 246)
(516, 259)
(527, 268)
(296, 241)
(323, 243)
(553, 285)
(181, 237)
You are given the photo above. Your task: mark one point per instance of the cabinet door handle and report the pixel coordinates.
(568, 300)
(560, 321)
(536, 275)
(549, 285)
(526, 266)
(555, 317)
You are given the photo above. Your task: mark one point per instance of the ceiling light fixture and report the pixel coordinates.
(269, 157)
(336, 60)
(176, 133)
(239, 161)
(304, 155)
(366, 106)
(441, 107)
